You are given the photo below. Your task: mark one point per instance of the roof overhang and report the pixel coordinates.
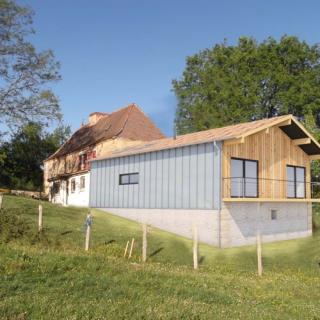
(295, 131)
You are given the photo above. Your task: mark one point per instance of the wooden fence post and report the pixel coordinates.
(40, 218)
(131, 248)
(259, 254)
(88, 232)
(195, 247)
(125, 251)
(144, 242)
(1, 199)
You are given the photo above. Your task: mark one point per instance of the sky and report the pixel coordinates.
(115, 52)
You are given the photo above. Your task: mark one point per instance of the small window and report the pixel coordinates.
(82, 183)
(274, 214)
(83, 161)
(73, 185)
(129, 178)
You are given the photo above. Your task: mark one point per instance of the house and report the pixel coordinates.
(230, 182)
(67, 171)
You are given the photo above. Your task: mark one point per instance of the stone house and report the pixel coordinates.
(67, 171)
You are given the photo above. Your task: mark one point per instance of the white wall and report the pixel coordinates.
(178, 221)
(79, 197)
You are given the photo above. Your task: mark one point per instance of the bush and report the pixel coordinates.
(12, 225)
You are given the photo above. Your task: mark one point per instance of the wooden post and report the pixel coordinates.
(125, 251)
(195, 247)
(131, 248)
(1, 199)
(259, 254)
(88, 232)
(144, 242)
(40, 218)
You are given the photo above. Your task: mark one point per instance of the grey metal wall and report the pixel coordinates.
(181, 178)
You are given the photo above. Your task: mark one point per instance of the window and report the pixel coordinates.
(83, 161)
(244, 178)
(129, 178)
(274, 214)
(73, 185)
(55, 187)
(296, 182)
(82, 183)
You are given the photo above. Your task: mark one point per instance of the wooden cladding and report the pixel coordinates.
(273, 150)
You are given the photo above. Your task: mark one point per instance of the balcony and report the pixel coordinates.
(269, 190)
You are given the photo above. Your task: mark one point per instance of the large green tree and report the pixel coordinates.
(21, 158)
(24, 73)
(228, 84)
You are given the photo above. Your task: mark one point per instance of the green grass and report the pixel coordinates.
(51, 277)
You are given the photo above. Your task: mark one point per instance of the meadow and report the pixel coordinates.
(48, 275)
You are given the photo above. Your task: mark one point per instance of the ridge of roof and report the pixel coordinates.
(216, 134)
(110, 126)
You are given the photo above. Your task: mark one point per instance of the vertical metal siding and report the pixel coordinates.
(182, 178)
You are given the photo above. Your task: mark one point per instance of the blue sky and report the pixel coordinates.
(114, 52)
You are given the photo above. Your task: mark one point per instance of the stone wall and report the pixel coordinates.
(178, 221)
(240, 222)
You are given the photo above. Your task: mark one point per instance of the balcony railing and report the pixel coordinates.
(269, 189)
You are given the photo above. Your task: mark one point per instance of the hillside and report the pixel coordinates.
(50, 276)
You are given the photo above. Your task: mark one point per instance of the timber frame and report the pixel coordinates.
(275, 146)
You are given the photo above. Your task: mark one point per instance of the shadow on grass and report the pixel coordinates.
(109, 242)
(155, 252)
(66, 232)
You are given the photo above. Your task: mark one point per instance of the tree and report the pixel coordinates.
(22, 157)
(24, 72)
(249, 81)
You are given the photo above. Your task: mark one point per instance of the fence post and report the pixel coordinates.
(259, 254)
(88, 230)
(144, 242)
(40, 218)
(1, 199)
(126, 249)
(131, 248)
(195, 247)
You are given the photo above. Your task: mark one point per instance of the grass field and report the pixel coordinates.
(50, 276)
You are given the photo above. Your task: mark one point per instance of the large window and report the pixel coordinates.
(129, 178)
(296, 182)
(244, 178)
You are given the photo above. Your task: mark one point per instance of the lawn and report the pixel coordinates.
(50, 276)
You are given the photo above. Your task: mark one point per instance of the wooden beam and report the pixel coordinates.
(298, 142)
(315, 157)
(267, 130)
(233, 141)
(285, 123)
(269, 200)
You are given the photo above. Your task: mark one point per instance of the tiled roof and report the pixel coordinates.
(217, 134)
(129, 122)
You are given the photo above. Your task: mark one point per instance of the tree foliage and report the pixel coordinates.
(231, 84)
(24, 72)
(21, 158)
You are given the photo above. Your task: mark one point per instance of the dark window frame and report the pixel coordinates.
(244, 176)
(295, 182)
(73, 184)
(129, 175)
(82, 179)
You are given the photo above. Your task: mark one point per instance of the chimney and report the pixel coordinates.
(95, 117)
